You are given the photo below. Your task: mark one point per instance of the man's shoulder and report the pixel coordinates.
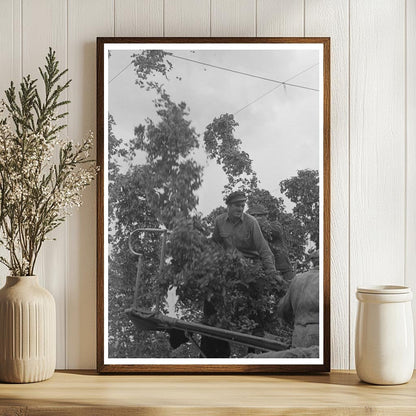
(306, 276)
(311, 272)
(249, 219)
(222, 217)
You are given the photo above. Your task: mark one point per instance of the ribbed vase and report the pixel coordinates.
(27, 331)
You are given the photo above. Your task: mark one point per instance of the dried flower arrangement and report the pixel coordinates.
(42, 176)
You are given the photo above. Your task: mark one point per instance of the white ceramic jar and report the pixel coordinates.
(384, 338)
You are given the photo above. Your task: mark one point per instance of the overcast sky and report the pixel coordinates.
(280, 131)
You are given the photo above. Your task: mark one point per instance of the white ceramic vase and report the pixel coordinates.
(27, 331)
(384, 341)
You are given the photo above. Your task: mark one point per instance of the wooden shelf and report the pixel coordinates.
(86, 393)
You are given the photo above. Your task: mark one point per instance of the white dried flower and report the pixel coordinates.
(41, 175)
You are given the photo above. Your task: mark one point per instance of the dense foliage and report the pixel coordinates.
(303, 190)
(222, 145)
(170, 174)
(201, 270)
(161, 192)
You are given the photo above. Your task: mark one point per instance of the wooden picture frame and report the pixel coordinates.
(133, 73)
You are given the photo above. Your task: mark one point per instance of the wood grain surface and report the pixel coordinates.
(339, 393)
(85, 19)
(280, 18)
(377, 148)
(233, 18)
(410, 260)
(187, 18)
(138, 18)
(330, 18)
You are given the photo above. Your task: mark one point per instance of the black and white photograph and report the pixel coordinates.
(212, 191)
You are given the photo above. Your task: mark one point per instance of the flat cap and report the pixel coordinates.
(235, 197)
(257, 209)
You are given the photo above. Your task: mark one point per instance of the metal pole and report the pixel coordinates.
(138, 281)
(159, 322)
(161, 265)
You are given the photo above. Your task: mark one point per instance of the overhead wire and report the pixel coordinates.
(243, 73)
(112, 79)
(275, 88)
(228, 70)
(258, 99)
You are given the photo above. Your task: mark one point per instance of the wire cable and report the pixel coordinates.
(275, 88)
(259, 98)
(112, 79)
(229, 70)
(242, 73)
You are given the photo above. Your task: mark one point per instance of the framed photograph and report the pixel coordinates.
(213, 205)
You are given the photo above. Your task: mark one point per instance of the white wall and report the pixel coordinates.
(373, 132)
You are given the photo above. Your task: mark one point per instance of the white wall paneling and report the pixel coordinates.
(330, 18)
(44, 25)
(411, 148)
(10, 44)
(138, 17)
(373, 130)
(280, 18)
(187, 18)
(86, 19)
(377, 146)
(10, 62)
(233, 18)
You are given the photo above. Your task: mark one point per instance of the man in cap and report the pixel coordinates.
(273, 233)
(237, 230)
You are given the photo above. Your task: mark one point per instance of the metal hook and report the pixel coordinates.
(140, 260)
